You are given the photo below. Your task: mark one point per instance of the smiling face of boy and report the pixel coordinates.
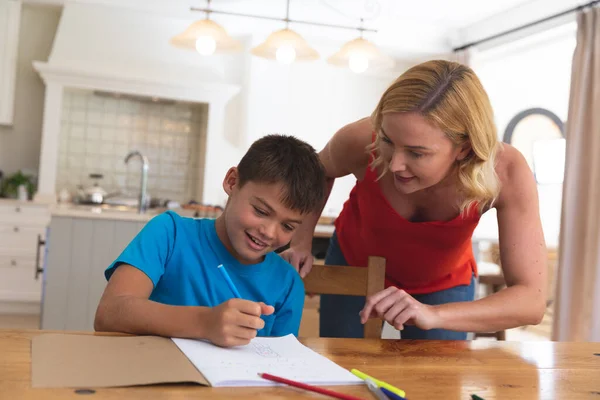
(255, 221)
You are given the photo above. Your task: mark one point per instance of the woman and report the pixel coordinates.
(428, 164)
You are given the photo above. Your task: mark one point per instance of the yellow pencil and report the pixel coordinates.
(379, 383)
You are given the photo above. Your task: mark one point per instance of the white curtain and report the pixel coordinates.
(577, 307)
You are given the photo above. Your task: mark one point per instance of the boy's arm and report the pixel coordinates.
(289, 315)
(125, 307)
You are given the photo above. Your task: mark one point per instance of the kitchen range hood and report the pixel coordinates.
(124, 51)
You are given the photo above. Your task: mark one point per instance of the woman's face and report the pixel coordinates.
(417, 153)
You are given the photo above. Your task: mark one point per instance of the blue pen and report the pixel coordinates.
(391, 395)
(229, 281)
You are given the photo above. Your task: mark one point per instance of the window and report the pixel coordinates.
(538, 134)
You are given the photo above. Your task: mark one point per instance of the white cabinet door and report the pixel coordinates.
(79, 251)
(22, 226)
(10, 19)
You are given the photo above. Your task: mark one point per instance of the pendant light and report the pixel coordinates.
(285, 45)
(206, 37)
(359, 55)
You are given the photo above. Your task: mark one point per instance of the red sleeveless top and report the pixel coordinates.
(421, 257)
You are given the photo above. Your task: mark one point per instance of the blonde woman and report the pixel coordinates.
(428, 164)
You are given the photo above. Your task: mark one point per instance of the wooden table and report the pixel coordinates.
(424, 369)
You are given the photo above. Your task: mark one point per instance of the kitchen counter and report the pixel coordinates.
(14, 203)
(127, 214)
(110, 213)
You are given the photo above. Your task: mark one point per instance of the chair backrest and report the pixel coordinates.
(353, 281)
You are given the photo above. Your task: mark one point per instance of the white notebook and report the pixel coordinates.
(282, 356)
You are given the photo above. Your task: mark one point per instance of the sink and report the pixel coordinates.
(112, 208)
(109, 208)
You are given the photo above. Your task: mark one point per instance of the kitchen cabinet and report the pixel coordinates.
(79, 249)
(81, 244)
(10, 19)
(22, 235)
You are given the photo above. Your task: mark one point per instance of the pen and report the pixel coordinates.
(229, 281)
(315, 389)
(379, 383)
(375, 390)
(391, 395)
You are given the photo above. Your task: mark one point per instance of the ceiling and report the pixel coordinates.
(405, 28)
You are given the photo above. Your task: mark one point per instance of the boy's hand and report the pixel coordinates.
(235, 322)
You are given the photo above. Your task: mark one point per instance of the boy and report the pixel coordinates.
(167, 282)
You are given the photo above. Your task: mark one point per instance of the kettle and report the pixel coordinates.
(93, 194)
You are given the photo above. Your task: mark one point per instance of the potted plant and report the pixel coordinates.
(10, 185)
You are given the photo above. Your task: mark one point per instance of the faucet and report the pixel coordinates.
(143, 201)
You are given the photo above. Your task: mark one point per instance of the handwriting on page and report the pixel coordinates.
(264, 350)
(283, 356)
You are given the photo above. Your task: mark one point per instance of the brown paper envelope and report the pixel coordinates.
(70, 360)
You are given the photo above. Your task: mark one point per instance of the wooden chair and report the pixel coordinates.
(493, 283)
(353, 281)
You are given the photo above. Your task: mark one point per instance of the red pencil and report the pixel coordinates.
(309, 387)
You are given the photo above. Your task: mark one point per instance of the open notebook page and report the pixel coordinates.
(282, 356)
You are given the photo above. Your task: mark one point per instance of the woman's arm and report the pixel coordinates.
(522, 253)
(523, 259)
(344, 154)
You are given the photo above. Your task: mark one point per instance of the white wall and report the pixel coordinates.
(97, 132)
(20, 142)
(533, 72)
(311, 101)
(131, 44)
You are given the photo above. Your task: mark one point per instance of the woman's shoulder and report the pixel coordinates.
(513, 171)
(346, 153)
(509, 161)
(356, 135)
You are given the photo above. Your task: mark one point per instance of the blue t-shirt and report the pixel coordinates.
(181, 256)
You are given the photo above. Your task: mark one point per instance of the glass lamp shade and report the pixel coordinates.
(206, 37)
(359, 55)
(285, 46)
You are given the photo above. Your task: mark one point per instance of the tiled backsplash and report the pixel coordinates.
(98, 131)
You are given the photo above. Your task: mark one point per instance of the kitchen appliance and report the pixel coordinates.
(93, 194)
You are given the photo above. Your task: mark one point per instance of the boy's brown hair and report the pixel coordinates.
(291, 162)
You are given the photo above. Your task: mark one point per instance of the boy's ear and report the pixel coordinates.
(465, 149)
(231, 180)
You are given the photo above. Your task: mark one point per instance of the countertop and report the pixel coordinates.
(112, 213)
(126, 214)
(16, 203)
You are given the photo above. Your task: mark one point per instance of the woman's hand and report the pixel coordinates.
(301, 259)
(399, 308)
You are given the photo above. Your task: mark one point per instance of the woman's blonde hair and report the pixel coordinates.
(450, 96)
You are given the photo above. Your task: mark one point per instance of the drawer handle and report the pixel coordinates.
(38, 269)
(16, 229)
(13, 263)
